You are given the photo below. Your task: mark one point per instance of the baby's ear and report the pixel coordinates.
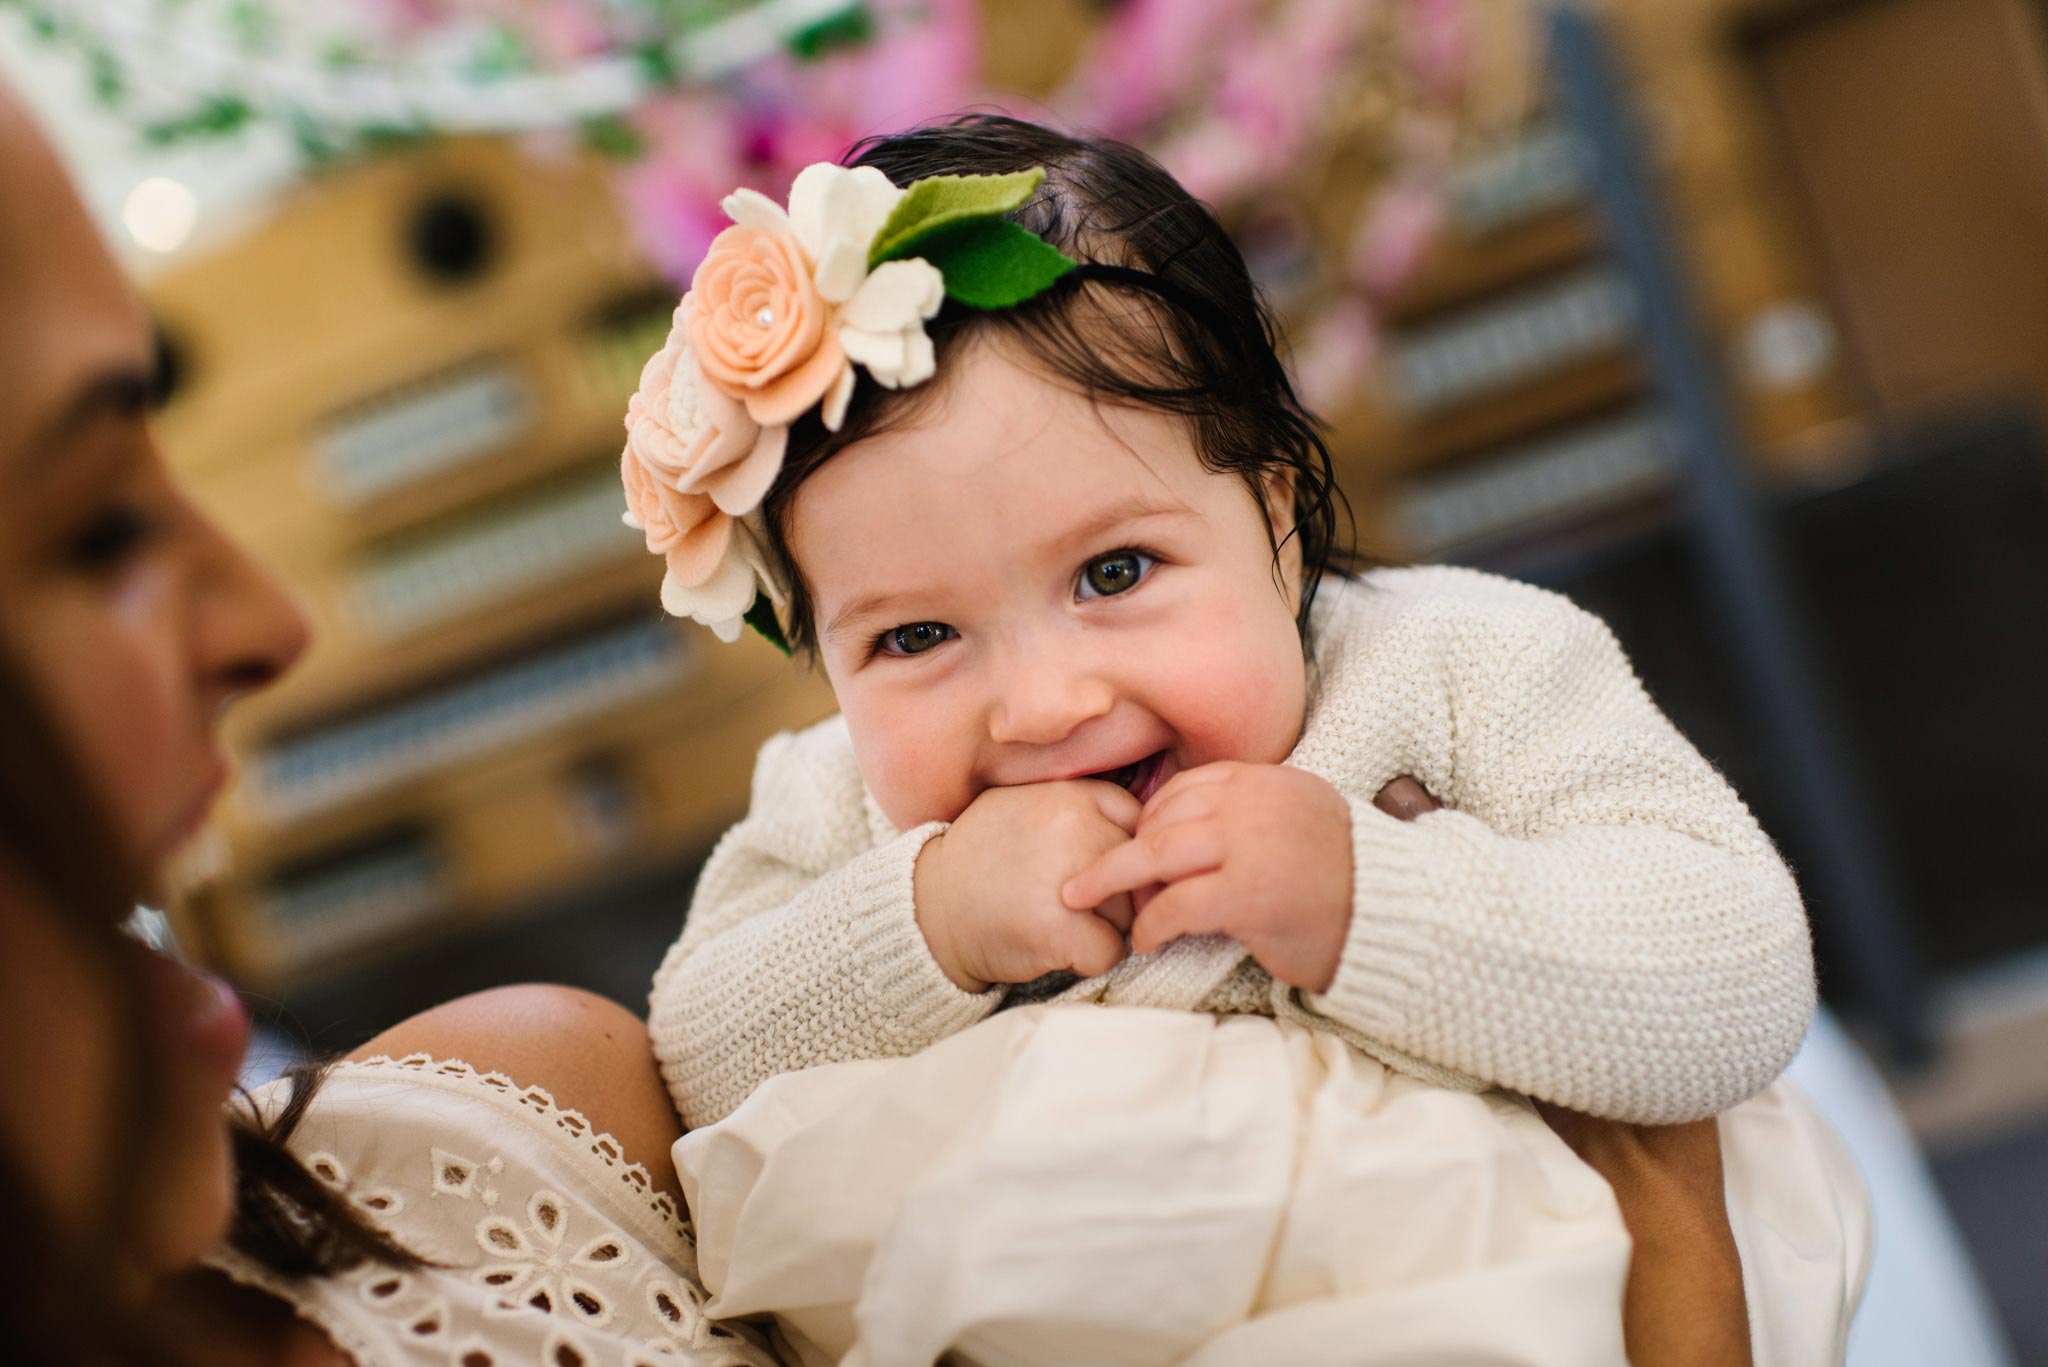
(1277, 493)
(1276, 487)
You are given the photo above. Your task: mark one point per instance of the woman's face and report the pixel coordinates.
(137, 622)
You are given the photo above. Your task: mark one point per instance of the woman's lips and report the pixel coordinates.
(202, 1019)
(219, 1028)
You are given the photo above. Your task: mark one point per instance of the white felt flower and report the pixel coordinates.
(882, 326)
(722, 600)
(837, 212)
(834, 213)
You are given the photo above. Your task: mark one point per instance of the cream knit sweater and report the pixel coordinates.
(1595, 919)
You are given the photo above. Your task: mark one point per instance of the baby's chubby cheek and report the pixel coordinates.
(1242, 707)
(914, 773)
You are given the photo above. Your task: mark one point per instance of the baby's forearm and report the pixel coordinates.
(1525, 962)
(835, 970)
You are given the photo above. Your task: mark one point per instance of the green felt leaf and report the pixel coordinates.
(761, 617)
(937, 201)
(992, 263)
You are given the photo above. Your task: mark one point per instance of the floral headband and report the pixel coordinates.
(781, 309)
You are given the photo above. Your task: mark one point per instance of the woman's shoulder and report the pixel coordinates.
(542, 1231)
(590, 1055)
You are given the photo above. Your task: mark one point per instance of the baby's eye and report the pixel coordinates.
(914, 639)
(1113, 573)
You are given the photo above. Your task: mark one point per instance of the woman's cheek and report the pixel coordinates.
(120, 696)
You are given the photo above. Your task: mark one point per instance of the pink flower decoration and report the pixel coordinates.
(696, 467)
(686, 530)
(1392, 234)
(761, 330)
(693, 436)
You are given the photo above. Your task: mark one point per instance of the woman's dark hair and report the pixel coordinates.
(1162, 314)
(57, 843)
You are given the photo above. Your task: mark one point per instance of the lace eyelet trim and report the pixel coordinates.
(600, 1145)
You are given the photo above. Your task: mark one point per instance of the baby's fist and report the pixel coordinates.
(988, 888)
(1258, 852)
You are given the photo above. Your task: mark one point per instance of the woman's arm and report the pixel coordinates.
(1684, 1305)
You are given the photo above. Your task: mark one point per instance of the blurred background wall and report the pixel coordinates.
(1784, 430)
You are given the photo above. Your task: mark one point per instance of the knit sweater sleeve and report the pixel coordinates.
(801, 946)
(1595, 919)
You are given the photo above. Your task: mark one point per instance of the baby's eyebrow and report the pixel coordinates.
(860, 609)
(1117, 515)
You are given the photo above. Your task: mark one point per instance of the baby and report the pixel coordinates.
(1114, 732)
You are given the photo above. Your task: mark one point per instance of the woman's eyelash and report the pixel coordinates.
(110, 537)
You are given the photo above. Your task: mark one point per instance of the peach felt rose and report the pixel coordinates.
(761, 330)
(776, 287)
(694, 436)
(695, 463)
(715, 562)
(686, 530)
(721, 601)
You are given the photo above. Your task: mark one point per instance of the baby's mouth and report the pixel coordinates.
(1140, 779)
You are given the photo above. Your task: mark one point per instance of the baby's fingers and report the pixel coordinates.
(1185, 804)
(1199, 777)
(1118, 807)
(1192, 907)
(1161, 855)
(1118, 911)
(1088, 944)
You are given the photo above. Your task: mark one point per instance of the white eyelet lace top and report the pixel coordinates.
(551, 1250)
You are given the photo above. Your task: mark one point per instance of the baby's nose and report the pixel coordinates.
(1043, 704)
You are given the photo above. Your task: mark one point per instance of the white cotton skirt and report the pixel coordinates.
(1124, 1188)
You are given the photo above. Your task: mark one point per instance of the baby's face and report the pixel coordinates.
(1025, 587)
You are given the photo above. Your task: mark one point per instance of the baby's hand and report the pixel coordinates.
(1258, 852)
(988, 887)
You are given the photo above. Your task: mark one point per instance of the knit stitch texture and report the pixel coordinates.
(1595, 919)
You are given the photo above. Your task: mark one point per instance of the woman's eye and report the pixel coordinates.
(914, 639)
(110, 537)
(1111, 574)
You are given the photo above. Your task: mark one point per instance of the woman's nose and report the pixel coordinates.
(249, 631)
(1042, 701)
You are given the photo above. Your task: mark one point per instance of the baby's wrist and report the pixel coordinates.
(929, 908)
